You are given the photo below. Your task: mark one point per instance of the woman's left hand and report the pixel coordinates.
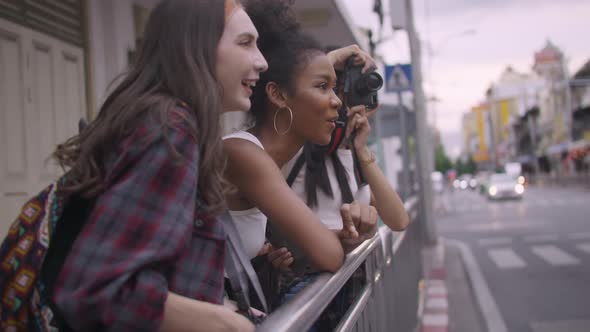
(339, 57)
(363, 217)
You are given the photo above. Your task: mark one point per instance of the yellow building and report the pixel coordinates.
(482, 120)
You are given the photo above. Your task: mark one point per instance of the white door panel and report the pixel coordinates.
(13, 143)
(42, 97)
(43, 108)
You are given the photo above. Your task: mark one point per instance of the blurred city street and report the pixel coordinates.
(533, 253)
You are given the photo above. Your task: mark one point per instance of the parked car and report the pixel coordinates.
(502, 185)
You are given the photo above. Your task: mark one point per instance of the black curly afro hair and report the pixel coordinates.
(284, 45)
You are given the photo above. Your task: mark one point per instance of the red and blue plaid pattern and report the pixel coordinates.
(146, 235)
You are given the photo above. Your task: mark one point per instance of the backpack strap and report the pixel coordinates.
(73, 218)
(239, 268)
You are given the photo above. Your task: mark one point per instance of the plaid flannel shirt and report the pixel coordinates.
(146, 235)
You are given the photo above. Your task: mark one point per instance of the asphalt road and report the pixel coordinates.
(534, 253)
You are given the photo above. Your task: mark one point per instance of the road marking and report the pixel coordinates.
(483, 296)
(585, 247)
(497, 226)
(540, 238)
(506, 258)
(494, 241)
(579, 236)
(554, 256)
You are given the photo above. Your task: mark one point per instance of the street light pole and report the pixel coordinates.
(422, 134)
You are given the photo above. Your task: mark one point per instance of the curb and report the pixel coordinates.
(433, 311)
(487, 305)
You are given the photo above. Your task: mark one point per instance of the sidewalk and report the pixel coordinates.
(449, 303)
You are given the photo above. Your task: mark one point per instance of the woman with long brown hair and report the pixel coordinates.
(149, 256)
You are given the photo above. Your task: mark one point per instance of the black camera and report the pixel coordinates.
(361, 88)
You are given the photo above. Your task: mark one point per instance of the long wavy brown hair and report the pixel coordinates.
(176, 63)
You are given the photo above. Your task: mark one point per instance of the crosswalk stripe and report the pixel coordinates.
(494, 241)
(540, 238)
(554, 256)
(585, 247)
(506, 258)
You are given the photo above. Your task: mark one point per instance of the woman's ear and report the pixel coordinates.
(276, 95)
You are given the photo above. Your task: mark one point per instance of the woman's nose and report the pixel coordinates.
(336, 102)
(260, 62)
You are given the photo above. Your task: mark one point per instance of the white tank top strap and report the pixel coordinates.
(245, 136)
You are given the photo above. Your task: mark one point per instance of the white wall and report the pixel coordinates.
(111, 37)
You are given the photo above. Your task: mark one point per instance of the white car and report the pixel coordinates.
(503, 185)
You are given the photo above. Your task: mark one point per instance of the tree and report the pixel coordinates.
(467, 167)
(442, 163)
(471, 166)
(459, 166)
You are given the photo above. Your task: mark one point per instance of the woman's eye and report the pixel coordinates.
(246, 42)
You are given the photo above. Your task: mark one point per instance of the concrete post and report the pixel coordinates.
(422, 132)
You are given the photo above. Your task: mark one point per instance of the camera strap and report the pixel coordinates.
(339, 131)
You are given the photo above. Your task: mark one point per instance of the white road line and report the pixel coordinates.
(494, 241)
(554, 256)
(585, 247)
(483, 296)
(506, 258)
(579, 236)
(540, 238)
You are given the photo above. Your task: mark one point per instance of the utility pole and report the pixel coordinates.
(405, 179)
(422, 131)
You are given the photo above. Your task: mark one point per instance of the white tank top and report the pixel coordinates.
(328, 209)
(251, 223)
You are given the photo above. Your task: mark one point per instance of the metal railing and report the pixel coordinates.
(389, 297)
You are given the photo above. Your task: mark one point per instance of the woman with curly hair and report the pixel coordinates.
(293, 102)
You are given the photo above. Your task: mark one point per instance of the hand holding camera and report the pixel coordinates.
(357, 87)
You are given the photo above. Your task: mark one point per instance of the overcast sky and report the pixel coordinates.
(474, 40)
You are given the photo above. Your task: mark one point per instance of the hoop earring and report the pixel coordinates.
(274, 122)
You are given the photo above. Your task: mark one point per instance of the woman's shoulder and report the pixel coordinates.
(175, 127)
(244, 135)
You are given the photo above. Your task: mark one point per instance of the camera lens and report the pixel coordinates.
(369, 82)
(374, 81)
